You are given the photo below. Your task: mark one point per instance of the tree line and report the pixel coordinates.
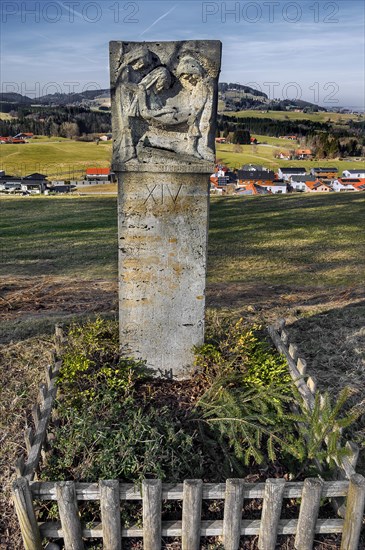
(70, 122)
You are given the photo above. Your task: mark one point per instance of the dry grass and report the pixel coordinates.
(18, 392)
(73, 242)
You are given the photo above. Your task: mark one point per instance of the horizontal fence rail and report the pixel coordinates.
(113, 495)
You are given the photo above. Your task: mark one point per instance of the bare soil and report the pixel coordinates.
(327, 324)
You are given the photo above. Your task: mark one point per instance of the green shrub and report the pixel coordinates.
(111, 438)
(234, 411)
(92, 363)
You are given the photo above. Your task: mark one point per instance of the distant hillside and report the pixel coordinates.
(72, 99)
(12, 97)
(238, 97)
(233, 97)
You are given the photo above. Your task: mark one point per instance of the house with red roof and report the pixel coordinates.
(100, 174)
(317, 187)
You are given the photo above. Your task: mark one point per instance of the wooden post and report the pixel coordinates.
(293, 350)
(308, 514)
(110, 514)
(36, 415)
(28, 438)
(191, 515)
(284, 337)
(232, 519)
(59, 336)
(354, 513)
(48, 372)
(152, 492)
(354, 453)
(302, 366)
(312, 384)
(271, 510)
(20, 465)
(69, 515)
(42, 393)
(24, 508)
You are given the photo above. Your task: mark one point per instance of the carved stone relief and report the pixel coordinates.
(164, 101)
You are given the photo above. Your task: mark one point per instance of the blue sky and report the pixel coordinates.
(308, 49)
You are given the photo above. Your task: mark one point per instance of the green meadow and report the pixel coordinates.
(55, 157)
(321, 116)
(261, 154)
(300, 240)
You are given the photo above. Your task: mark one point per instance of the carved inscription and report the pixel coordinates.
(162, 193)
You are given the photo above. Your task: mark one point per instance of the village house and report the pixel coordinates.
(303, 153)
(253, 189)
(24, 135)
(277, 187)
(284, 155)
(33, 184)
(317, 187)
(100, 175)
(327, 173)
(357, 183)
(338, 186)
(254, 174)
(298, 183)
(287, 173)
(353, 173)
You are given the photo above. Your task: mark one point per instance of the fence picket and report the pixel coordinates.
(26, 516)
(308, 514)
(69, 515)
(302, 366)
(271, 509)
(28, 438)
(152, 492)
(232, 519)
(354, 513)
(36, 414)
(110, 514)
(191, 514)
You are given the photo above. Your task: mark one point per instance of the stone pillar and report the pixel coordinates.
(164, 101)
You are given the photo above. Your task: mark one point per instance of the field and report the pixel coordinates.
(61, 158)
(264, 154)
(300, 257)
(55, 157)
(321, 116)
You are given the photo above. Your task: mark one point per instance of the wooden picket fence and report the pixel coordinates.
(113, 495)
(307, 387)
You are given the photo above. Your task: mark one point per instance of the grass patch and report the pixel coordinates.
(295, 240)
(321, 116)
(60, 236)
(57, 158)
(265, 155)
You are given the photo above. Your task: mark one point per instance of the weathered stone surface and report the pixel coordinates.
(164, 99)
(162, 254)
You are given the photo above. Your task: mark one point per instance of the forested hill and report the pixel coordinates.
(238, 97)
